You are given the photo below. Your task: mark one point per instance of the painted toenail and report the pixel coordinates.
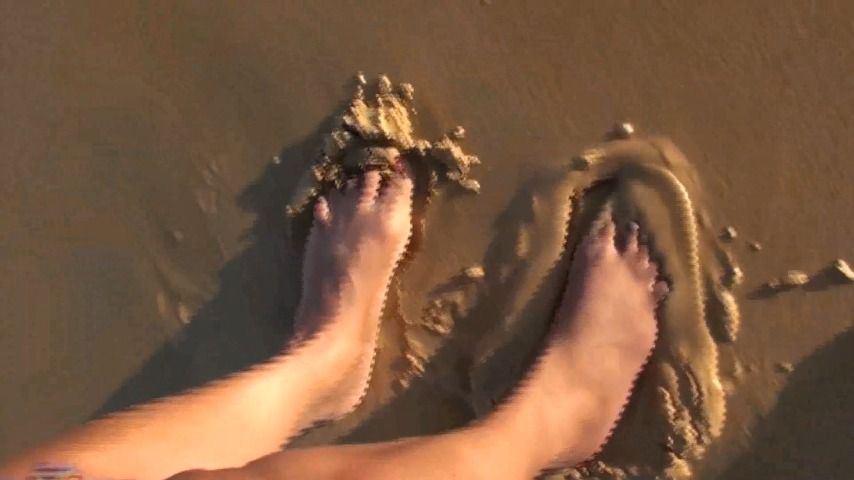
(397, 166)
(661, 289)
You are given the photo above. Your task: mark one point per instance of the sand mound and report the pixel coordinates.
(374, 131)
(479, 330)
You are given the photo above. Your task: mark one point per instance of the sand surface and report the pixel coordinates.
(144, 244)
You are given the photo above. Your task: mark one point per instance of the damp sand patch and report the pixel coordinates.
(479, 330)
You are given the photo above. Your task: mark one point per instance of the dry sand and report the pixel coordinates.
(143, 219)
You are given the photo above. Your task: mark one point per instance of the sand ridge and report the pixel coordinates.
(468, 347)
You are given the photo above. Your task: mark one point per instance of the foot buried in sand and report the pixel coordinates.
(678, 405)
(357, 238)
(603, 334)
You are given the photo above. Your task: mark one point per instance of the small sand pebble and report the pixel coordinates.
(792, 278)
(755, 246)
(841, 267)
(622, 131)
(728, 386)
(407, 91)
(458, 133)
(176, 236)
(737, 370)
(470, 184)
(360, 78)
(184, 313)
(587, 158)
(734, 277)
(729, 233)
(784, 367)
(474, 272)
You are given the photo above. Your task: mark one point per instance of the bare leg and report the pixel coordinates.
(232, 421)
(563, 411)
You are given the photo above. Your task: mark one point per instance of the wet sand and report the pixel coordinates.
(143, 215)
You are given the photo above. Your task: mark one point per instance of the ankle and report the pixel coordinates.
(550, 424)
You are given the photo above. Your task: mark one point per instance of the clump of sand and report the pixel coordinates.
(375, 130)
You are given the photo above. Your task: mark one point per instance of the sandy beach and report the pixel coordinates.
(151, 149)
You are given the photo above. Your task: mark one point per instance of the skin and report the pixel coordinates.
(560, 414)
(321, 374)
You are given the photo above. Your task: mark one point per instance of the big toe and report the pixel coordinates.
(322, 213)
(399, 188)
(599, 240)
(370, 188)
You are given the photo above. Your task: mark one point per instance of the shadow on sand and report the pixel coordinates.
(824, 279)
(809, 434)
(250, 317)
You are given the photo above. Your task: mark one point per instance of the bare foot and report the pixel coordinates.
(603, 333)
(357, 238)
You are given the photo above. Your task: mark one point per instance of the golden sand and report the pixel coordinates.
(465, 350)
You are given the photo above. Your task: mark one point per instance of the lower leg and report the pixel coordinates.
(479, 451)
(232, 421)
(564, 409)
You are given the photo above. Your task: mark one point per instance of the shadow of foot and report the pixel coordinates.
(250, 317)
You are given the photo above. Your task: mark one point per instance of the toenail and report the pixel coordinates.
(661, 289)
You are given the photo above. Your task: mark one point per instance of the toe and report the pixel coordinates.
(643, 263)
(599, 240)
(399, 187)
(606, 233)
(604, 228)
(607, 229)
(643, 255)
(370, 188)
(660, 290)
(395, 203)
(322, 214)
(632, 237)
